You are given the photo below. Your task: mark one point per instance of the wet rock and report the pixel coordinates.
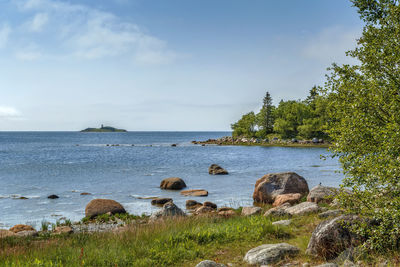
(21, 227)
(195, 192)
(192, 204)
(282, 222)
(172, 183)
(331, 237)
(102, 206)
(303, 208)
(168, 210)
(287, 198)
(85, 194)
(278, 211)
(270, 253)
(160, 201)
(23, 198)
(210, 204)
(271, 185)
(215, 169)
(208, 263)
(321, 193)
(248, 211)
(173, 145)
(204, 209)
(53, 197)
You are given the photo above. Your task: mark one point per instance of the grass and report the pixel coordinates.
(175, 242)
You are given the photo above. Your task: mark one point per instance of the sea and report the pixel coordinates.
(128, 167)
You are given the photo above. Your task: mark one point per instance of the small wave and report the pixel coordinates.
(143, 197)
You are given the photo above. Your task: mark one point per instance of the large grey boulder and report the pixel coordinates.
(271, 185)
(269, 253)
(282, 222)
(168, 210)
(303, 208)
(331, 237)
(208, 263)
(278, 211)
(322, 193)
(330, 213)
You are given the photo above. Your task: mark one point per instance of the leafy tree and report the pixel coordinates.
(265, 118)
(245, 126)
(364, 122)
(289, 116)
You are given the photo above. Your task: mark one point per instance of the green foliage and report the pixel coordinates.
(245, 126)
(364, 111)
(266, 117)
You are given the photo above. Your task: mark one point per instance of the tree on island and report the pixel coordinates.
(364, 111)
(265, 118)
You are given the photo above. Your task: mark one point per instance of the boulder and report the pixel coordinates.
(226, 213)
(208, 263)
(331, 237)
(53, 197)
(303, 208)
(287, 198)
(102, 206)
(282, 222)
(322, 193)
(270, 253)
(192, 204)
(21, 227)
(168, 210)
(195, 192)
(204, 209)
(85, 194)
(248, 211)
(328, 264)
(210, 204)
(160, 201)
(329, 213)
(278, 211)
(63, 230)
(28, 233)
(224, 209)
(215, 169)
(6, 233)
(173, 183)
(271, 185)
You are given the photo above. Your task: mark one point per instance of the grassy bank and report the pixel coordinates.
(177, 242)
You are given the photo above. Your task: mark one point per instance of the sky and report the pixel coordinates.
(159, 65)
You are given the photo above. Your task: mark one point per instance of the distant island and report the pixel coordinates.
(102, 129)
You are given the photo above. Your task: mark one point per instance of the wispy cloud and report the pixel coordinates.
(5, 31)
(88, 33)
(8, 112)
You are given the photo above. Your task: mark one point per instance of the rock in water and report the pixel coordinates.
(210, 204)
(331, 237)
(269, 253)
(193, 204)
(195, 192)
(208, 263)
(271, 185)
(248, 211)
(173, 183)
(287, 198)
(102, 206)
(321, 193)
(168, 210)
(53, 197)
(21, 227)
(160, 201)
(215, 169)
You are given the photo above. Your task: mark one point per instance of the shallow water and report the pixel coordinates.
(37, 164)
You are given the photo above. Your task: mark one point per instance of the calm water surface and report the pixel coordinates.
(37, 164)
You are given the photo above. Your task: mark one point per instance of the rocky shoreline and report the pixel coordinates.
(276, 195)
(244, 141)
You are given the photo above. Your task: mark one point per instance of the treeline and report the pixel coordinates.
(302, 119)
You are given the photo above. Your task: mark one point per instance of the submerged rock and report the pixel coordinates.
(172, 183)
(215, 169)
(102, 206)
(195, 192)
(53, 197)
(270, 253)
(271, 185)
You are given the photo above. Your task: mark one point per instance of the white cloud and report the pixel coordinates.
(5, 31)
(331, 44)
(8, 112)
(88, 33)
(38, 22)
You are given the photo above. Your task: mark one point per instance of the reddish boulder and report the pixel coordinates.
(103, 206)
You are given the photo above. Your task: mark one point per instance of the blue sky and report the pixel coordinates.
(162, 65)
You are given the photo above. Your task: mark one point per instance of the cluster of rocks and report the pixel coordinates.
(229, 140)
